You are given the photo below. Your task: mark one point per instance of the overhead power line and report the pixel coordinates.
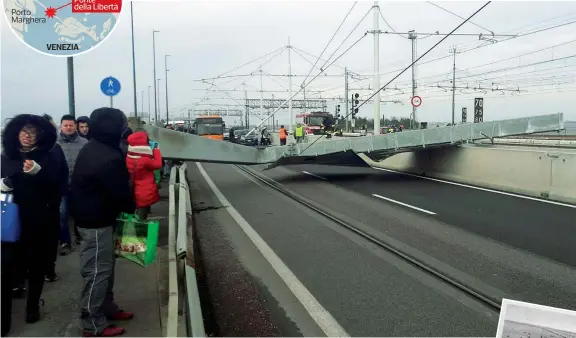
(503, 60)
(346, 38)
(386, 22)
(328, 44)
(470, 22)
(247, 63)
(421, 56)
(405, 69)
(478, 47)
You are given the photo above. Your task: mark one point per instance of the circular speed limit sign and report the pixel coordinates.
(416, 101)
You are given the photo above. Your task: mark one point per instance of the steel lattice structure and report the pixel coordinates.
(297, 104)
(221, 112)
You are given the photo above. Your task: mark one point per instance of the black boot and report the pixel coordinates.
(6, 326)
(33, 312)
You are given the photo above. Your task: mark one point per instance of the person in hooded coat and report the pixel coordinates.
(124, 139)
(99, 192)
(34, 170)
(83, 126)
(141, 162)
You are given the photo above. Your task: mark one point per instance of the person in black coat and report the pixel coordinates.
(124, 140)
(99, 191)
(34, 170)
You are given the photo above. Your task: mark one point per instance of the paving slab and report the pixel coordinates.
(143, 291)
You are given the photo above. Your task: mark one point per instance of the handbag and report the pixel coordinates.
(136, 239)
(10, 218)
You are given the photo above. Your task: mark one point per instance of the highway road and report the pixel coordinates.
(503, 245)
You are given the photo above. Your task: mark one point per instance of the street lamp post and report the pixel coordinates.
(166, 82)
(157, 103)
(142, 110)
(133, 62)
(155, 87)
(149, 103)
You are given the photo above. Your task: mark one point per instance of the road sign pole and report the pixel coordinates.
(110, 87)
(71, 99)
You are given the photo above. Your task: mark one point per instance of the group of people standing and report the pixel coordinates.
(93, 169)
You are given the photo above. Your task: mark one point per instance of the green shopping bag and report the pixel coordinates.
(136, 239)
(158, 175)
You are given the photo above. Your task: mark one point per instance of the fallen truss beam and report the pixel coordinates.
(181, 146)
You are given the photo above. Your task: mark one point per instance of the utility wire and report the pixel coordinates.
(522, 66)
(429, 78)
(444, 9)
(405, 69)
(387, 24)
(539, 22)
(418, 59)
(314, 78)
(345, 39)
(482, 46)
(328, 44)
(247, 63)
(314, 56)
(544, 29)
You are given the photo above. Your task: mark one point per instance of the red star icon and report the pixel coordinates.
(50, 12)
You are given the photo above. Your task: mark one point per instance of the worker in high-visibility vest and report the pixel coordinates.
(299, 133)
(283, 135)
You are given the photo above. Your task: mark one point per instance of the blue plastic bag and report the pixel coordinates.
(10, 219)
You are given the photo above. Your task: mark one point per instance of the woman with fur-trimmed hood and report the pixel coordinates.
(141, 162)
(35, 171)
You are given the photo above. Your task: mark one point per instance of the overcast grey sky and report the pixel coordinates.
(208, 38)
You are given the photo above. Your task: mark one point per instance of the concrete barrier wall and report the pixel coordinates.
(546, 173)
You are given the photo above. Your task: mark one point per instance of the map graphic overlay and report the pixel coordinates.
(62, 27)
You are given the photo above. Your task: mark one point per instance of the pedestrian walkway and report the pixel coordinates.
(143, 291)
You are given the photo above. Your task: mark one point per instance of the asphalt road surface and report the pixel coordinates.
(316, 277)
(515, 247)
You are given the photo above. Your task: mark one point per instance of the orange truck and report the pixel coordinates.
(211, 127)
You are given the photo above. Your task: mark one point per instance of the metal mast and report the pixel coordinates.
(246, 118)
(290, 112)
(412, 36)
(261, 96)
(155, 78)
(347, 112)
(453, 50)
(376, 9)
(149, 104)
(166, 70)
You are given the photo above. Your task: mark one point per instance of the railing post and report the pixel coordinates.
(173, 294)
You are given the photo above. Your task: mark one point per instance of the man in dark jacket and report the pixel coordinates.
(70, 141)
(99, 192)
(35, 167)
(83, 126)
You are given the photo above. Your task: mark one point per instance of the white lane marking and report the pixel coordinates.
(317, 312)
(404, 204)
(311, 174)
(479, 188)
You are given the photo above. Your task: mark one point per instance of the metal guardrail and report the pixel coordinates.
(184, 298)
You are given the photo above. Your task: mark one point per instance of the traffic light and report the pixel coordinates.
(337, 112)
(355, 103)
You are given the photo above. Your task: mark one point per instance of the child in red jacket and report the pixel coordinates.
(141, 162)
